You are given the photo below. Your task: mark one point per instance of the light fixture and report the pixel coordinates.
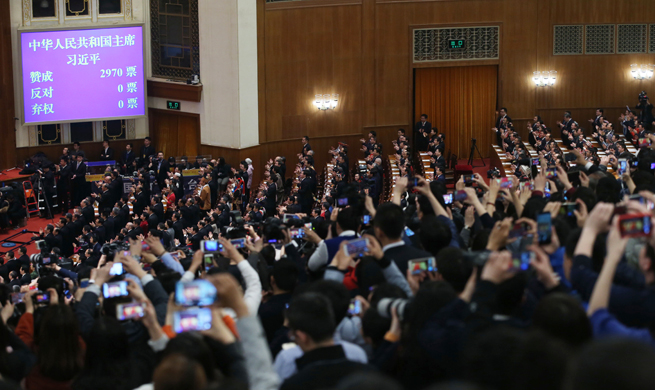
(326, 102)
(641, 72)
(544, 79)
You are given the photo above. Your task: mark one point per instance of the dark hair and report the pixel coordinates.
(348, 219)
(107, 361)
(435, 235)
(59, 353)
(425, 115)
(285, 273)
(454, 267)
(311, 313)
(562, 316)
(390, 219)
(336, 293)
(618, 363)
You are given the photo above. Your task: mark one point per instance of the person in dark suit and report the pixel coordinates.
(439, 175)
(161, 168)
(25, 278)
(67, 237)
(502, 114)
(388, 225)
(105, 200)
(565, 125)
(271, 198)
(598, 120)
(439, 160)
(48, 182)
(127, 158)
(153, 221)
(23, 259)
(421, 133)
(157, 207)
(147, 150)
(178, 226)
(305, 146)
(78, 179)
(87, 210)
(107, 153)
(64, 174)
(305, 192)
(14, 279)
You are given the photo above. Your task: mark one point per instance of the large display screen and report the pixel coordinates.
(82, 74)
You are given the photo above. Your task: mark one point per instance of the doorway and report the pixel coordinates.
(461, 103)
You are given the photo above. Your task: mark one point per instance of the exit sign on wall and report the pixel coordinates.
(455, 44)
(173, 105)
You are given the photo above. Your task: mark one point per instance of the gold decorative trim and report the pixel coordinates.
(127, 9)
(77, 13)
(112, 137)
(27, 12)
(131, 129)
(50, 141)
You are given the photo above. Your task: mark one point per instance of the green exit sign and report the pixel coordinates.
(173, 105)
(456, 44)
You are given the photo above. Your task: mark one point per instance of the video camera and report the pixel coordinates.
(643, 97)
(493, 173)
(110, 249)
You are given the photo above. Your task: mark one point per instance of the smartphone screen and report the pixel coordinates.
(208, 261)
(544, 229)
(417, 266)
(296, 233)
(42, 297)
(357, 247)
(116, 269)
(342, 202)
(534, 161)
(192, 320)
(623, 166)
(238, 243)
(196, 293)
(567, 209)
(448, 198)
(468, 179)
(460, 196)
(115, 289)
(635, 225)
(17, 298)
(355, 307)
(551, 173)
(210, 246)
(128, 311)
(366, 219)
(521, 260)
(519, 230)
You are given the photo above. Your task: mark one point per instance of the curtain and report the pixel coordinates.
(461, 103)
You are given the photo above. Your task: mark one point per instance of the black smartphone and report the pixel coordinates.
(544, 228)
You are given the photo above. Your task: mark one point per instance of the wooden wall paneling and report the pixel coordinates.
(312, 51)
(175, 133)
(7, 123)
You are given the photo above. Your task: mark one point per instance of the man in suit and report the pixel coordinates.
(439, 160)
(79, 187)
(565, 125)
(147, 150)
(105, 200)
(271, 198)
(127, 158)
(87, 210)
(346, 226)
(388, 225)
(14, 279)
(107, 153)
(598, 120)
(305, 192)
(157, 207)
(178, 226)
(439, 175)
(501, 115)
(421, 132)
(64, 174)
(25, 277)
(162, 168)
(23, 259)
(305, 146)
(152, 219)
(141, 200)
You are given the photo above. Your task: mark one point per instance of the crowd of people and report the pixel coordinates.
(312, 280)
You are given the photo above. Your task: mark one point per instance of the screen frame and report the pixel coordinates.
(67, 28)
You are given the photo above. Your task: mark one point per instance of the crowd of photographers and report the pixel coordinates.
(498, 285)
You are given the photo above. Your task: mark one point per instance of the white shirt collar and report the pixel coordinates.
(348, 233)
(393, 245)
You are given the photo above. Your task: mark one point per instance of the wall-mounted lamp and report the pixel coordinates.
(544, 79)
(326, 102)
(641, 72)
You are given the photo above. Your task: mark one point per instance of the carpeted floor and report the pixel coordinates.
(23, 235)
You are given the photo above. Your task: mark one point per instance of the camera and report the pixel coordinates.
(387, 304)
(493, 173)
(643, 97)
(110, 249)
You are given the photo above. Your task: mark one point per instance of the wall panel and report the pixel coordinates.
(8, 144)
